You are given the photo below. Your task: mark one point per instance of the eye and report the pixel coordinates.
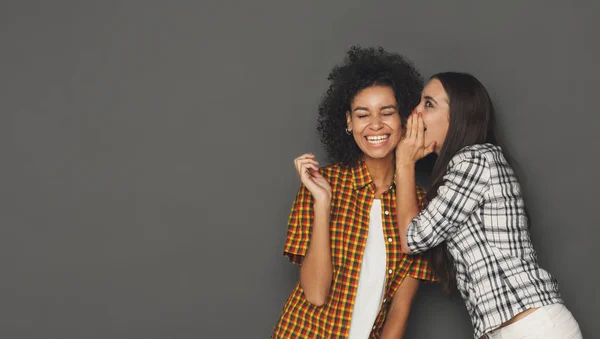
(428, 103)
(362, 116)
(388, 114)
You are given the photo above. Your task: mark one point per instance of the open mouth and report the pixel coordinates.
(377, 139)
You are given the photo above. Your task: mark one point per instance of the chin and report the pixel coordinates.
(377, 154)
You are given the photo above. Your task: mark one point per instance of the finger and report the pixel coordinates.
(315, 172)
(308, 164)
(309, 170)
(420, 129)
(305, 160)
(430, 148)
(308, 161)
(316, 175)
(415, 131)
(306, 156)
(416, 127)
(409, 122)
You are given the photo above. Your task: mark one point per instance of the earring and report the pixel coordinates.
(348, 132)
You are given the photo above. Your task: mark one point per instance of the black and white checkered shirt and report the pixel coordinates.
(479, 212)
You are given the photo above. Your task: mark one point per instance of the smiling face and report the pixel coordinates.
(375, 122)
(435, 109)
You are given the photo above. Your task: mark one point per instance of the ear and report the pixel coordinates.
(349, 121)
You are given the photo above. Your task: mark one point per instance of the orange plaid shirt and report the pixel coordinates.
(353, 193)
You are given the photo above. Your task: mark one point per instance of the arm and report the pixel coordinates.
(397, 318)
(406, 200)
(461, 192)
(316, 269)
(410, 149)
(421, 268)
(308, 241)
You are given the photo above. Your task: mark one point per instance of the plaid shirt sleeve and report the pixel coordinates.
(461, 192)
(420, 268)
(300, 223)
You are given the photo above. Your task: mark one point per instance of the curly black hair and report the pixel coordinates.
(362, 68)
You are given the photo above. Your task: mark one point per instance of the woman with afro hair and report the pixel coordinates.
(355, 282)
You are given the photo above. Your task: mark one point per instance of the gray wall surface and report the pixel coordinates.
(147, 151)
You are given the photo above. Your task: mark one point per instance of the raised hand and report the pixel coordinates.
(411, 147)
(306, 167)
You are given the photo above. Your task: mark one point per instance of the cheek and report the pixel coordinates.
(358, 124)
(443, 124)
(436, 121)
(429, 122)
(396, 126)
(437, 127)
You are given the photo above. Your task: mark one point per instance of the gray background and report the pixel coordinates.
(147, 151)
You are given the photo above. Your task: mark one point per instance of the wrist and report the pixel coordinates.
(322, 203)
(405, 166)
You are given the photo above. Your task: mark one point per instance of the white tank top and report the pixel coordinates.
(371, 282)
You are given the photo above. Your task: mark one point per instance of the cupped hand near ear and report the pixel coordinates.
(411, 147)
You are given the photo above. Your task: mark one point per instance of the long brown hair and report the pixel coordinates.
(472, 121)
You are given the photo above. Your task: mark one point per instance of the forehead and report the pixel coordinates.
(375, 95)
(435, 90)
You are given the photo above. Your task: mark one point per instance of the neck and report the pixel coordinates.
(381, 170)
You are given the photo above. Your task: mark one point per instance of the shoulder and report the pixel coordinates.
(475, 162)
(335, 172)
(480, 154)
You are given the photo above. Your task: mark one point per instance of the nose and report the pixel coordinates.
(376, 123)
(417, 109)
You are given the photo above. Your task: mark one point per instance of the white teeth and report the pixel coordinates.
(377, 139)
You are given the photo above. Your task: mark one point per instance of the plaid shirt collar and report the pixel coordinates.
(361, 176)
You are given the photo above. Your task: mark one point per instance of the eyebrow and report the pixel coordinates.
(360, 108)
(430, 98)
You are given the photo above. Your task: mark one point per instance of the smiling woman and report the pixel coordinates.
(355, 282)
